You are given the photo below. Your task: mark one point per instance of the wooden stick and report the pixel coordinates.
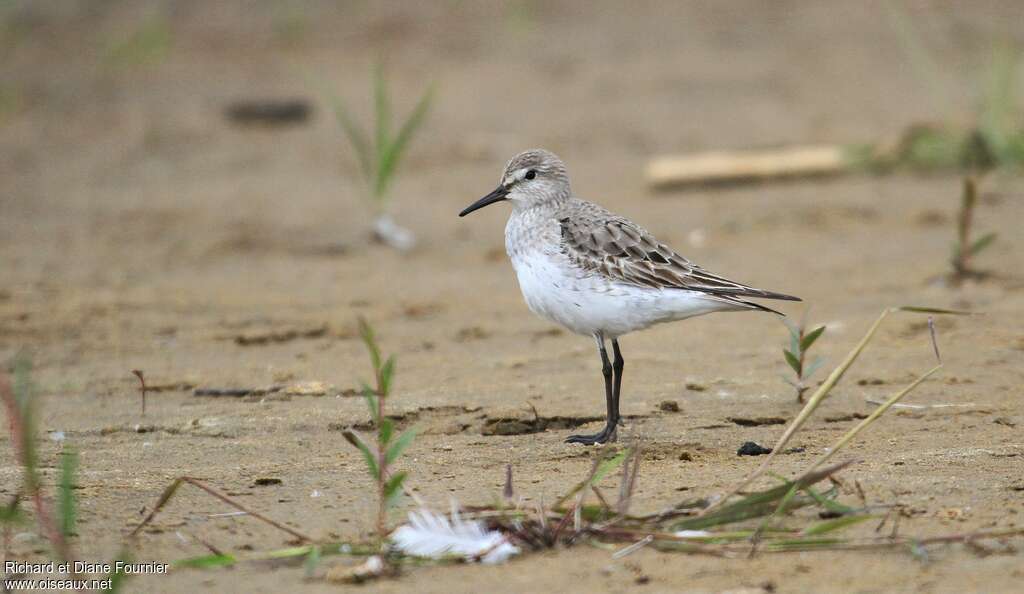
(729, 167)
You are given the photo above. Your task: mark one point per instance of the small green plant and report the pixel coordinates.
(378, 161)
(382, 455)
(800, 341)
(965, 248)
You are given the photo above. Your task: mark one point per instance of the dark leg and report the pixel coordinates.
(617, 366)
(611, 402)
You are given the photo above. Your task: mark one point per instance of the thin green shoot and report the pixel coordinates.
(965, 247)
(800, 341)
(382, 455)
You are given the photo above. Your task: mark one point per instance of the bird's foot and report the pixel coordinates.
(607, 434)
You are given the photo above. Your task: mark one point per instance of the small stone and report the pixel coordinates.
(669, 406)
(695, 387)
(266, 482)
(312, 388)
(752, 449)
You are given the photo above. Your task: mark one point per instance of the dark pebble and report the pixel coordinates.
(266, 482)
(752, 449)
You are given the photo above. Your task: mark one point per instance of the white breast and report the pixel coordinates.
(587, 303)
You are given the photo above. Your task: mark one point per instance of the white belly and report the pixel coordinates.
(588, 303)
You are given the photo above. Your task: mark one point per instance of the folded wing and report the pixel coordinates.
(613, 246)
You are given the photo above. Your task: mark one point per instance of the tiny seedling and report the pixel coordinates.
(378, 161)
(965, 247)
(800, 341)
(142, 388)
(382, 455)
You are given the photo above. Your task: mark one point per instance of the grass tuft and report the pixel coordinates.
(379, 159)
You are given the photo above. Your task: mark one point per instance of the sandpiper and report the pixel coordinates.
(599, 274)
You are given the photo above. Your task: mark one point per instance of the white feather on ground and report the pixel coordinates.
(431, 535)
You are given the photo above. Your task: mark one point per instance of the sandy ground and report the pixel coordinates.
(139, 229)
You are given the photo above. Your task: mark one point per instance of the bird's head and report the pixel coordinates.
(530, 178)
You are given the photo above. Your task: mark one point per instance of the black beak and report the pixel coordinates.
(497, 195)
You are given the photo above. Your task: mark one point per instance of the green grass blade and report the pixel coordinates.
(983, 242)
(404, 441)
(312, 560)
(828, 502)
(370, 341)
(66, 506)
(387, 372)
(743, 510)
(164, 498)
(371, 401)
(356, 136)
(389, 160)
(834, 524)
(24, 410)
(605, 467)
(371, 459)
(793, 361)
(206, 561)
(809, 371)
(387, 429)
(810, 338)
(800, 544)
(936, 310)
(393, 487)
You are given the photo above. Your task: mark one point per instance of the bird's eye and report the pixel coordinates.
(530, 174)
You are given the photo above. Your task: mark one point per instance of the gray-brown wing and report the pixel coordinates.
(617, 248)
